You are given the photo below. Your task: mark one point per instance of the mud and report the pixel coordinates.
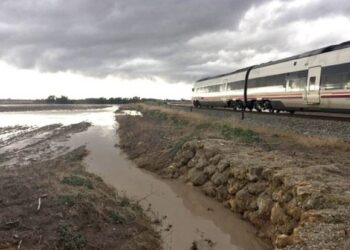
(297, 196)
(49, 201)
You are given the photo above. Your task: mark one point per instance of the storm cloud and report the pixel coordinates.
(176, 40)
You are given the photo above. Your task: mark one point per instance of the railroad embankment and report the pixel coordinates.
(294, 188)
(49, 201)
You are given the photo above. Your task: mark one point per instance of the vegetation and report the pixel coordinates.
(75, 180)
(71, 240)
(117, 218)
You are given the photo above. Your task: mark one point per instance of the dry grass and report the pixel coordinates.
(196, 119)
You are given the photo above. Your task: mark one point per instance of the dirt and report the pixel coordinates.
(49, 201)
(298, 196)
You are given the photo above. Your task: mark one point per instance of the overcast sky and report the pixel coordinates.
(154, 48)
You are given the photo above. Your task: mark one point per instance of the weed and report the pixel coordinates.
(117, 218)
(203, 126)
(178, 145)
(178, 122)
(71, 240)
(75, 180)
(245, 134)
(124, 201)
(68, 200)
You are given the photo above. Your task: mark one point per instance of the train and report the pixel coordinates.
(317, 80)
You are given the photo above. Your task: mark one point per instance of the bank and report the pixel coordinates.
(294, 189)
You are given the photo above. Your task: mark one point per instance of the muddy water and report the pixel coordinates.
(187, 214)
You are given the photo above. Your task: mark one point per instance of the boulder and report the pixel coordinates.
(234, 185)
(209, 189)
(254, 173)
(221, 193)
(216, 159)
(197, 177)
(220, 178)
(210, 170)
(264, 203)
(257, 187)
(186, 156)
(239, 172)
(223, 165)
(278, 217)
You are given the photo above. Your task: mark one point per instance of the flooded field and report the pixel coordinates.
(182, 213)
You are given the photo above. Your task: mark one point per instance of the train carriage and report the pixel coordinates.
(318, 80)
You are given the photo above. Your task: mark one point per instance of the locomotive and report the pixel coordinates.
(317, 80)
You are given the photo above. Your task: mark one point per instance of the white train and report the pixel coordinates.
(318, 80)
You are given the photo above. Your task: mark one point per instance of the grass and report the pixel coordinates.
(68, 200)
(234, 129)
(178, 145)
(71, 240)
(247, 135)
(75, 180)
(117, 218)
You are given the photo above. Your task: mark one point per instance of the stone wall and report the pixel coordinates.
(285, 203)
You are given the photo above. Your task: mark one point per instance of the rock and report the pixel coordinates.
(315, 201)
(223, 165)
(201, 163)
(264, 203)
(282, 241)
(293, 210)
(216, 159)
(234, 185)
(254, 173)
(210, 170)
(186, 156)
(220, 178)
(256, 188)
(278, 217)
(312, 216)
(203, 244)
(209, 189)
(239, 172)
(221, 193)
(197, 177)
(211, 152)
(243, 198)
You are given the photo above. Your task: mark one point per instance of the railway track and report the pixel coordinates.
(303, 115)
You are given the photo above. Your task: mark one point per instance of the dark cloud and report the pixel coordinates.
(172, 39)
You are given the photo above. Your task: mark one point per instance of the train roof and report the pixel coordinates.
(305, 54)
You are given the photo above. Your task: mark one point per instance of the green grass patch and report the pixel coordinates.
(239, 133)
(203, 126)
(178, 145)
(156, 115)
(117, 218)
(69, 200)
(75, 180)
(71, 240)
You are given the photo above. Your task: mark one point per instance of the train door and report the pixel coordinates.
(313, 85)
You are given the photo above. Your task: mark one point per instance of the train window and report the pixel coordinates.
(235, 85)
(336, 77)
(312, 83)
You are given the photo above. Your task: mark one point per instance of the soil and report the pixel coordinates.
(49, 201)
(298, 196)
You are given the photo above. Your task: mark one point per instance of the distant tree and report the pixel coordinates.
(62, 100)
(51, 99)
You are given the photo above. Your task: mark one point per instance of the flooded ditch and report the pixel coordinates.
(184, 213)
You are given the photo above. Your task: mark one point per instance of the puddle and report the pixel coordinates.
(189, 214)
